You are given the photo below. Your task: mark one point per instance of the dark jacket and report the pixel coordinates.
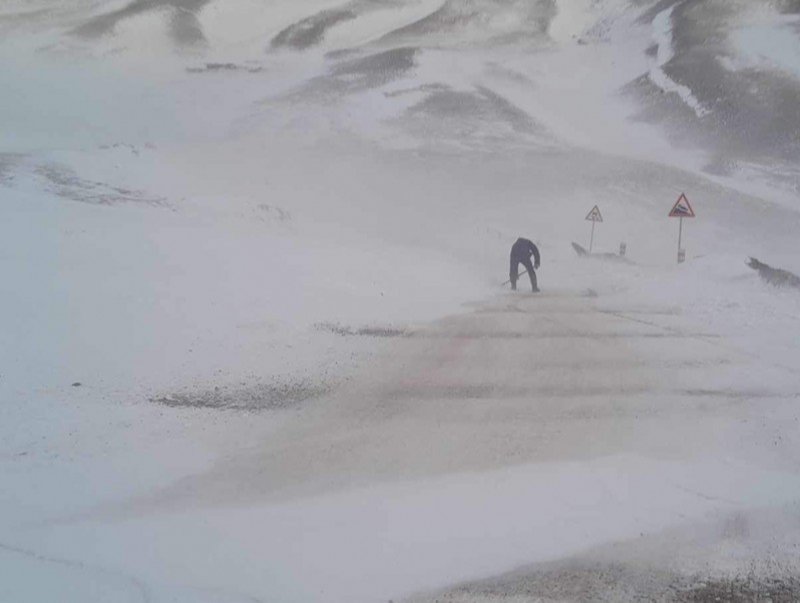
(523, 249)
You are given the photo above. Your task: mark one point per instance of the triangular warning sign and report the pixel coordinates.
(594, 215)
(682, 208)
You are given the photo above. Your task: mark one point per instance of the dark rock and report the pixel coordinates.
(775, 276)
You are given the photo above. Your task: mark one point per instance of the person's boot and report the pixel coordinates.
(535, 289)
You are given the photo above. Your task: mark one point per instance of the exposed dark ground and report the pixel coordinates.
(68, 185)
(354, 72)
(753, 114)
(531, 19)
(223, 67)
(367, 331)
(310, 31)
(620, 584)
(775, 276)
(184, 27)
(739, 557)
(278, 394)
(7, 163)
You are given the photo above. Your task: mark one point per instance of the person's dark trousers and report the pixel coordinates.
(514, 272)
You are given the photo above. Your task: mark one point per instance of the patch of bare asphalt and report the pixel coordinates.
(347, 331)
(65, 183)
(276, 395)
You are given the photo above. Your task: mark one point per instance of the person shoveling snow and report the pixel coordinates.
(521, 253)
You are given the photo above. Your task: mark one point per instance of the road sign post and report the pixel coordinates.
(593, 216)
(682, 209)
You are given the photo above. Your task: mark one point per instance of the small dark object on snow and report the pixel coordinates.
(77, 384)
(582, 252)
(217, 67)
(346, 331)
(775, 276)
(521, 253)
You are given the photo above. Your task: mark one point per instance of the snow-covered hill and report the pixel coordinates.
(226, 228)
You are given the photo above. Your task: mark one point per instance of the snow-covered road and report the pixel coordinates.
(254, 346)
(518, 379)
(525, 429)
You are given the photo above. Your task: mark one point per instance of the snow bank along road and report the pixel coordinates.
(525, 429)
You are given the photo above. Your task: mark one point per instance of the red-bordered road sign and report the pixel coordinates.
(682, 208)
(594, 215)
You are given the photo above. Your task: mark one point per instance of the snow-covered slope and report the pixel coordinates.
(716, 79)
(227, 226)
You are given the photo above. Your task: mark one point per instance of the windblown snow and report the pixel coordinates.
(256, 345)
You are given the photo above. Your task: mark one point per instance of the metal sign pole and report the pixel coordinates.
(593, 217)
(682, 209)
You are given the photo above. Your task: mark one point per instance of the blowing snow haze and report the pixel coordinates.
(255, 341)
